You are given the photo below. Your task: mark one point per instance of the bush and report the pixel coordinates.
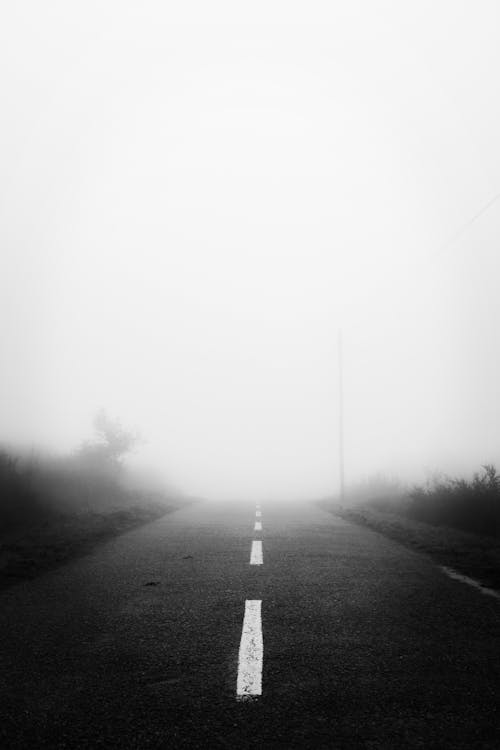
(92, 479)
(19, 501)
(469, 505)
(382, 492)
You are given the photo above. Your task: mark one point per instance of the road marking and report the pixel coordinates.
(258, 513)
(258, 526)
(249, 683)
(258, 506)
(256, 554)
(470, 581)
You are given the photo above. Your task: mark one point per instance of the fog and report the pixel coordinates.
(196, 197)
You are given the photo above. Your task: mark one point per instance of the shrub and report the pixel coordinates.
(471, 505)
(19, 502)
(382, 492)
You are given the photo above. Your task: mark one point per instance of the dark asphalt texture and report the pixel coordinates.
(366, 644)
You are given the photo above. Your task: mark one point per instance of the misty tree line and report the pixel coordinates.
(91, 478)
(33, 488)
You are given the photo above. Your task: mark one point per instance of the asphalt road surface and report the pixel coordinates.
(137, 645)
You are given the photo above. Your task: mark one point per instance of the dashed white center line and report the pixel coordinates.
(249, 683)
(258, 526)
(258, 513)
(256, 553)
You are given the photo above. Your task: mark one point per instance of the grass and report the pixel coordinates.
(471, 554)
(456, 521)
(29, 552)
(52, 510)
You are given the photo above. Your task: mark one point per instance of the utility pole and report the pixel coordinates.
(341, 418)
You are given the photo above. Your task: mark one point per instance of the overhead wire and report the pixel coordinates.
(444, 247)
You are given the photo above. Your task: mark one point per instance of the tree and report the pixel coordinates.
(112, 443)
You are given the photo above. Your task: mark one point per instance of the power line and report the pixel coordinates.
(467, 224)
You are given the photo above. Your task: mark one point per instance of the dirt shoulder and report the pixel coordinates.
(33, 551)
(470, 554)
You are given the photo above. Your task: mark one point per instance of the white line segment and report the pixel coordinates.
(258, 513)
(256, 553)
(258, 526)
(249, 683)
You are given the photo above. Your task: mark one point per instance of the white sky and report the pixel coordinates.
(194, 197)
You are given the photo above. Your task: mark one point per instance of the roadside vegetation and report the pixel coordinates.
(470, 505)
(456, 520)
(54, 508)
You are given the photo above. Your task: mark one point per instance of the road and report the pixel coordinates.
(365, 643)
